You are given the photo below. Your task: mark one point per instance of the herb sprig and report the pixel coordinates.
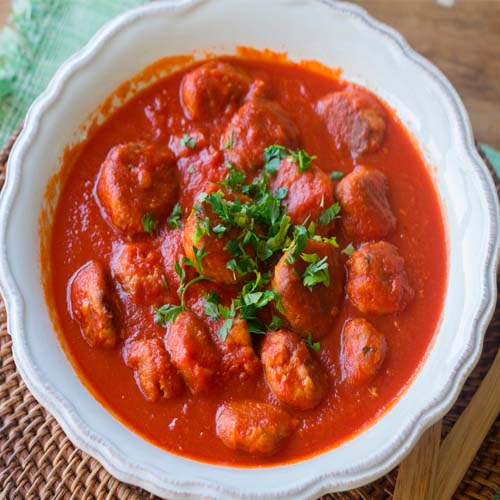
(275, 153)
(170, 312)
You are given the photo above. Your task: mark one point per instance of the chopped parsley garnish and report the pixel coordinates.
(167, 313)
(329, 214)
(256, 228)
(188, 141)
(229, 144)
(275, 153)
(164, 282)
(272, 158)
(202, 228)
(302, 159)
(234, 177)
(336, 175)
(348, 249)
(276, 323)
(149, 223)
(196, 263)
(174, 220)
(170, 312)
(281, 193)
(300, 237)
(317, 270)
(315, 346)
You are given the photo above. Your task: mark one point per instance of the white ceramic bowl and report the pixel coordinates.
(338, 35)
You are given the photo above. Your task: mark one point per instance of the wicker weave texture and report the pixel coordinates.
(37, 460)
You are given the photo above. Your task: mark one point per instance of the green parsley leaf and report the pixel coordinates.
(302, 159)
(300, 237)
(198, 255)
(202, 227)
(219, 229)
(317, 271)
(164, 282)
(235, 177)
(174, 220)
(315, 346)
(348, 249)
(212, 302)
(276, 323)
(336, 175)
(188, 141)
(225, 328)
(166, 313)
(281, 193)
(229, 144)
(277, 241)
(149, 223)
(329, 214)
(179, 271)
(272, 158)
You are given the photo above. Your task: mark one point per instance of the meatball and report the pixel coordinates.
(310, 310)
(366, 213)
(139, 269)
(198, 170)
(363, 351)
(258, 124)
(155, 374)
(172, 250)
(239, 358)
(254, 427)
(184, 145)
(90, 306)
(377, 281)
(355, 120)
(309, 194)
(292, 373)
(198, 233)
(192, 351)
(213, 89)
(137, 180)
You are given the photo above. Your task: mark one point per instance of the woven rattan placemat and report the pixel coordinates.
(37, 460)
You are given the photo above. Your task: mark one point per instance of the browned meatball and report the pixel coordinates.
(292, 373)
(139, 269)
(193, 352)
(155, 374)
(355, 120)
(137, 179)
(366, 213)
(198, 233)
(377, 281)
(363, 351)
(213, 89)
(310, 193)
(254, 427)
(239, 358)
(198, 170)
(90, 306)
(310, 310)
(257, 125)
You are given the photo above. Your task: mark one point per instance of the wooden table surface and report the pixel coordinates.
(462, 40)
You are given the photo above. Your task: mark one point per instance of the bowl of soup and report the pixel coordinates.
(254, 263)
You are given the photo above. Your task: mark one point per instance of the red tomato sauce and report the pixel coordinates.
(185, 425)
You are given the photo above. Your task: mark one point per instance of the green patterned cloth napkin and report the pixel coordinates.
(41, 35)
